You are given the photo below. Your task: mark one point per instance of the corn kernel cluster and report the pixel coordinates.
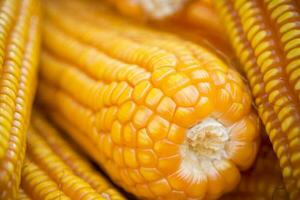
(150, 99)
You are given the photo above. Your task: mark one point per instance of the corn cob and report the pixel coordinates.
(54, 170)
(263, 181)
(201, 13)
(148, 9)
(19, 48)
(164, 117)
(266, 38)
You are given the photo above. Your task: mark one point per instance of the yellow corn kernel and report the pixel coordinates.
(53, 169)
(19, 49)
(176, 140)
(266, 38)
(263, 180)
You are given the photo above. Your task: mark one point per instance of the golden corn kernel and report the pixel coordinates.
(149, 114)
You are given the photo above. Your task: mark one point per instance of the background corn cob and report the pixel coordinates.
(266, 38)
(200, 18)
(145, 9)
(54, 170)
(19, 48)
(197, 22)
(263, 181)
(200, 13)
(130, 95)
(211, 41)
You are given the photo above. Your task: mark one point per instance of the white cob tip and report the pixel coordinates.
(158, 9)
(205, 142)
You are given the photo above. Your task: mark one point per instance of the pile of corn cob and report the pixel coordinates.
(150, 99)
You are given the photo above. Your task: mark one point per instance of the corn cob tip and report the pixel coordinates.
(161, 8)
(153, 9)
(205, 141)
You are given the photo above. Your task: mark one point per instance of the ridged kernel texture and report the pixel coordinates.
(54, 170)
(19, 49)
(266, 37)
(165, 118)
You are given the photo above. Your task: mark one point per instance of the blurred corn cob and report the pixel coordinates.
(199, 13)
(211, 41)
(53, 170)
(164, 117)
(199, 18)
(148, 9)
(19, 48)
(197, 21)
(266, 38)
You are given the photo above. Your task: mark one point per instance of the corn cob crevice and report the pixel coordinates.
(197, 22)
(19, 48)
(201, 13)
(200, 23)
(265, 35)
(54, 170)
(203, 37)
(165, 118)
(263, 180)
